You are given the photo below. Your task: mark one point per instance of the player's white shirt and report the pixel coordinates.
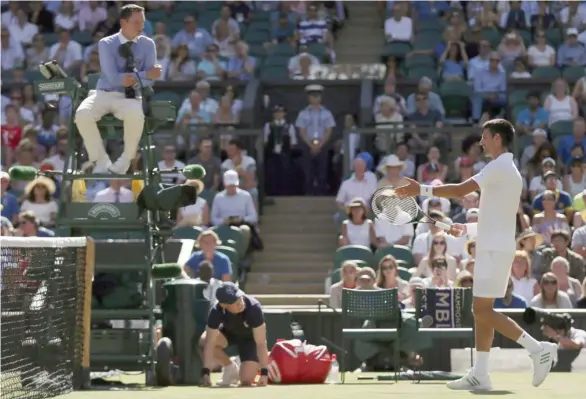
(578, 336)
(500, 191)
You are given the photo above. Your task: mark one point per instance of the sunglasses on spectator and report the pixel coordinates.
(439, 243)
(420, 98)
(388, 267)
(549, 282)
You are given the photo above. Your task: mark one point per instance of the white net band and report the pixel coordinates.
(43, 242)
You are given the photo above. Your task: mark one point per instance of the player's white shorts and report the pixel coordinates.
(491, 273)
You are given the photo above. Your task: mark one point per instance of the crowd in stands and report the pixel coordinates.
(484, 47)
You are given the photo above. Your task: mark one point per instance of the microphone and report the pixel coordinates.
(23, 173)
(194, 172)
(125, 51)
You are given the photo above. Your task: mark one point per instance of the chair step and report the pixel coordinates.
(255, 288)
(286, 277)
(291, 299)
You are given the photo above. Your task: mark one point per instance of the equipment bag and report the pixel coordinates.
(297, 362)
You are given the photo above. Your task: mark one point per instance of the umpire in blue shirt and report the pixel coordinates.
(315, 124)
(118, 90)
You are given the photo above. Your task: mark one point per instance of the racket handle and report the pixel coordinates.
(443, 226)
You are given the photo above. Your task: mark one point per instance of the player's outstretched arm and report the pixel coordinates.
(414, 188)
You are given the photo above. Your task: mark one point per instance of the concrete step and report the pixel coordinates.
(291, 217)
(290, 288)
(292, 267)
(291, 299)
(297, 237)
(285, 278)
(304, 247)
(268, 256)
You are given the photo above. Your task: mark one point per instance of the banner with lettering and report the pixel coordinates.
(442, 308)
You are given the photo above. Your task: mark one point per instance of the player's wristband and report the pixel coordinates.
(205, 371)
(426, 191)
(264, 372)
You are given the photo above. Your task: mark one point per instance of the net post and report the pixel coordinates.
(88, 272)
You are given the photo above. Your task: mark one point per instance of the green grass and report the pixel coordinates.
(517, 385)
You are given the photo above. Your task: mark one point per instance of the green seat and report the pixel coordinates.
(421, 71)
(352, 252)
(234, 259)
(546, 72)
(317, 49)
(209, 196)
(31, 76)
(92, 80)
(419, 60)
(83, 38)
(436, 25)
(516, 109)
(554, 37)
(256, 36)
(430, 37)
(442, 313)
(404, 273)
(492, 35)
(377, 307)
(456, 97)
(399, 252)
(50, 39)
(157, 16)
(523, 142)
(274, 73)
(187, 232)
(276, 61)
(231, 237)
(526, 35)
(573, 73)
(171, 96)
(398, 50)
(517, 97)
(283, 49)
(336, 275)
(561, 128)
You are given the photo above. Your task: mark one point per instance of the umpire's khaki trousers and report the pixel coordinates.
(99, 103)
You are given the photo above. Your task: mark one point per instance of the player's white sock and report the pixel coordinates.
(481, 363)
(529, 343)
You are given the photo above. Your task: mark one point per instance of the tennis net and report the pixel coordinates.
(45, 315)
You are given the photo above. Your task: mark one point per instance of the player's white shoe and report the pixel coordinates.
(471, 382)
(543, 361)
(230, 375)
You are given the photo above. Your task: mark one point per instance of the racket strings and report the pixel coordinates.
(398, 211)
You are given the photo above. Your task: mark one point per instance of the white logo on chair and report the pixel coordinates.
(99, 209)
(51, 86)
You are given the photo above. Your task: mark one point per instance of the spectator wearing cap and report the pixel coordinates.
(425, 86)
(571, 52)
(357, 229)
(366, 279)
(29, 226)
(578, 137)
(562, 200)
(361, 184)
(315, 123)
(390, 91)
(10, 206)
(244, 165)
(469, 201)
(399, 27)
(537, 184)
(423, 242)
(281, 149)
(575, 182)
(211, 67)
(539, 137)
(207, 242)
(234, 206)
(241, 65)
(490, 87)
(195, 38)
(348, 273)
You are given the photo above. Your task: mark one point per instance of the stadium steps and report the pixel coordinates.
(299, 236)
(361, 40)
(276, 300)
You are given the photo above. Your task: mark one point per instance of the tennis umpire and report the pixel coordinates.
(236, 319)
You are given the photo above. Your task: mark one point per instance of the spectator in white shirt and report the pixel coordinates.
(66, 19)
(91, 15)
(574, 15)
(362, 184)
(197, 214)
(207, 104)
(399, 27)
(439, 274)
(423, 242)
(21, 30)
(541, 54)
(116, 193)
(8, 17)
(244, 165)
(12, 54)
(66, 52)
(170, 161)
(295, 61)
(388, 234)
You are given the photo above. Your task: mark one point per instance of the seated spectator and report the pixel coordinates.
(399, 28)
(543, 19)
(523, 282)
(574, 15)
(226, 32)
(241, 65)
(302, 56)
(29, 226)
(348, 273)
(161, 35)
(207, 103)
(357, 229)
(11, 134)
(212, 164)
(37, 53)
(38, 199)
(414, 284)
(10, 206)
(163, 46)
(208, 241)
(568, 142)
(484, 16)
(231, 91)
(111, 25)
(464, 279)
(560, 240)
(91, 66)
(6, 228)
(283, 31)
(561, 268)
(225, 114)
(439, 274)
(362, 184)
(66, 18)
(425, 116)
(520, 70)
(181, 67)
(579, 92)
(24, 156)
(389, 234)
(234, 206)
(535, 164)
(67, 52)
(240, 11)
(469, 201)
(442, 205)
(438, 248)
(193, 114)
(433, 168)
(205, 273)
(388, 118)
(170, 161)
(244, 165)
(402, 151)
(211, 67)
(490, 88)
(391, 167)
(511, 300)
(575, 181)
(514, 18)
(40, 16)
(538, 184)
(390, 91)
(454, 61)
(90, 16)
(114, 193)
(473, 155)
(571, 52)
(560, 105)
(539, 137)
(424, 88)
(550, 297)
(21, 30)
(366, 279)
(387, 277)
(423, 242)
(481, 62)
(12, 52)
(511, 48)
(195, 38)
(549, 207)
(541, 54)
(313, 29)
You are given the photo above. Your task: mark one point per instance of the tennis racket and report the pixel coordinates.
(399, 211)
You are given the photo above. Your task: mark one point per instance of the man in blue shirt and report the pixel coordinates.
(533, 117)
(207, 242)
(10, 207)
(510, 300)
(118, 91)
(567, 143)
(490, 87)
(196, 39)
(563, 200)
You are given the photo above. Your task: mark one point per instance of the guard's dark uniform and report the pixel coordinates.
(237, 328)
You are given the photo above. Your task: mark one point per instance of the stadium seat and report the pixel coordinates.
(398, 50)
(274, 73)
(421, 71)
(517, 97)
(550, 73)
(209, 196)
(256, 36)
(526, 35)
(554, 37)
(492, 35)
(404, 273)
(187, 232)
(83, 38)
(419, 60)
(429, 37)
(560, 128)
(283, 49)
(353, 252)
(522, 142)
(516, 109)
(317, 49)
(456, 97)
(231, 237)
(276, 61)
(400, 252)
(172, 96)
(573, 73)
(234, 259)
(50, 38)
(381, 310)
(436, 25)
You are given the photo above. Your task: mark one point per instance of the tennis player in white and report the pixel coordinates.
(500, 185)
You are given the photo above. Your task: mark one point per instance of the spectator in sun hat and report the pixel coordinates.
(539, 137)
(391, 168)
(571, 52)
(10, 206)
(38, 199)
